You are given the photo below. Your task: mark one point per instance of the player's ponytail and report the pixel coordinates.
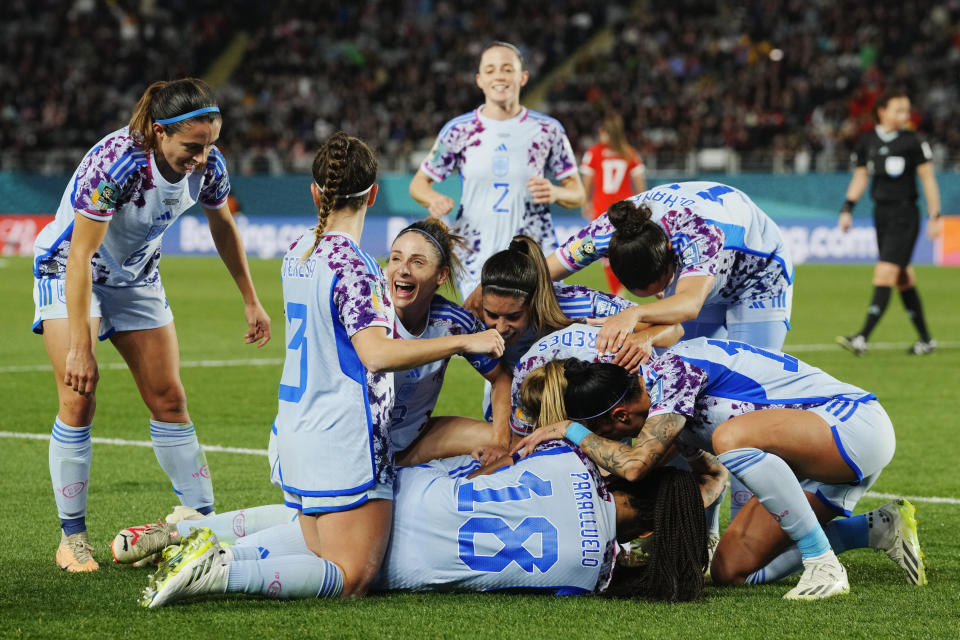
(639, 251)
(541, 394)
(167, 103)
(344, 170)
(521, 272)
(669, 503)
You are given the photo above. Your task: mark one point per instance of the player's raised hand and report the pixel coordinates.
(489, 343)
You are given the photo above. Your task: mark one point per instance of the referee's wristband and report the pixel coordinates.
(576, 432)
(934, 216)
(848, 206)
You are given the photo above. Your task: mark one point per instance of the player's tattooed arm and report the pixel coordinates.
(647, 451)
(711, 476)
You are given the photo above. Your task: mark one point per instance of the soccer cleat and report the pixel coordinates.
(896, 526)
(75, 553)
(921, 348)
(195, 569)
(855, 344)
(134, 544)
(820, 579)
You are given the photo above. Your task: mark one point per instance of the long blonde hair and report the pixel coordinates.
(613, 127)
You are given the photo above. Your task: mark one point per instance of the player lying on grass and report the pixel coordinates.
(546, 523)
(808, 445)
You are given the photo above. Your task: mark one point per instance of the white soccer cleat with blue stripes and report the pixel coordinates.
(823, 577)
(194, 569)
(896, 526)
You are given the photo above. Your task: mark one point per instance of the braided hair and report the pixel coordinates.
(669, 503)
(639, 250)
(343, 169)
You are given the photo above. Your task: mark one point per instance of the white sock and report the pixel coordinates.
(286, 577)
(179, 453)
(69, 458)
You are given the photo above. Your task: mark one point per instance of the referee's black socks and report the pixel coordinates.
(911, 300)
(881, 298)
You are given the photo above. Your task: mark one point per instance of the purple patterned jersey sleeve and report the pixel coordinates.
(447, 152)
(359, 295)
(216, 181)
(674, 385)
(96, 193)
(696, 242)
(561, 162)
(587, 246)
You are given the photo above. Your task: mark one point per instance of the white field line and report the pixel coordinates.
(263, 452)
(269, 362)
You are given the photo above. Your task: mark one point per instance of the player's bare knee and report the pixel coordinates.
(726, 437)
(77, 411)
(170, 402)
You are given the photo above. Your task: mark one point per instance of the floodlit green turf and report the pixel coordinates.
(234, 406)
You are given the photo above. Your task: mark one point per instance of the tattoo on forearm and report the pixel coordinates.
(654, 439)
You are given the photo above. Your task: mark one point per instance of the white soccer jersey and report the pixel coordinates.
(417, 389)
(714, 230)
(495, 159)
(711, 381)
(546, 523)
(334, 415)
(118, 181)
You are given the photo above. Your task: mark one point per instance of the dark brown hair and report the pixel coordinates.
(164, 100)
(639, 250)
(344, 165)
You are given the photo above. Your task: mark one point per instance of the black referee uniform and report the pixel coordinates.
(891, 160)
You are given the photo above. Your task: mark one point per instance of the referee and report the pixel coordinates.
(894, 156)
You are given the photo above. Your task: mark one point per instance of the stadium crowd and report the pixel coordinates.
(764, 78)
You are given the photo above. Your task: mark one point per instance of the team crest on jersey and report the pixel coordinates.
(582, 250)
(501, 165)
(688, 250)
(105, 195)
(894, 166)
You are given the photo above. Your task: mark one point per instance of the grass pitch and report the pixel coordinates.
(234, 406)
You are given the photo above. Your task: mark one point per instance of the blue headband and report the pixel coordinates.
(189, 114)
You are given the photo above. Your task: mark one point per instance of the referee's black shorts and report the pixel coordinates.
(898, 225)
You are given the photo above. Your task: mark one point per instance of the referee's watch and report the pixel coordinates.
(933, 217)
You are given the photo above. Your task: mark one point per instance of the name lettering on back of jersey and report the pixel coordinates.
(294, 267)
(591, 547)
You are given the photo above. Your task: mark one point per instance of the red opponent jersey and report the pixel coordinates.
(609, 171)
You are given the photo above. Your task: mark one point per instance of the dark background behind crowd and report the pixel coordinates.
(782, 85)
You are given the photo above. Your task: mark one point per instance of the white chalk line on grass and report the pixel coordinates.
(271, 362)
(263, 452)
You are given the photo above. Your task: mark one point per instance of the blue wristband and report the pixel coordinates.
(576, 432)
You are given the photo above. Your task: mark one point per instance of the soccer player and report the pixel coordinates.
(332, 430)
(503, 151)
(96, 276)
(612, 171)
(894, 156)
(717, 260)
(545, 523)
(807, 445)
(719, 263)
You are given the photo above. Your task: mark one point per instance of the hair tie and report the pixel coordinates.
(189, 114)
(444, 258)
(349, 195)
